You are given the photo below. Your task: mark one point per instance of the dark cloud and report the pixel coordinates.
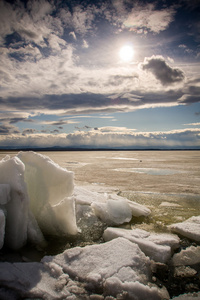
(15, 120)
(162, 71)
(93, 103)
(57, 123)
(28, 131)
(7, 129)
(55, 131)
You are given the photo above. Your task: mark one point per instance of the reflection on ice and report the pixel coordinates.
(149, 171)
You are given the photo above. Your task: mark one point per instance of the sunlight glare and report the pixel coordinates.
(126, 53)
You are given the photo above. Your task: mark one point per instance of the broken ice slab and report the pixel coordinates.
(190, 228)
(158, 246)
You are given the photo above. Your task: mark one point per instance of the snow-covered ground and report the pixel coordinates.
(38, 199)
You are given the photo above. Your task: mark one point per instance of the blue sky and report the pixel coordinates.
(64, 81)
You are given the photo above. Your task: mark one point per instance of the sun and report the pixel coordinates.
(126, 53)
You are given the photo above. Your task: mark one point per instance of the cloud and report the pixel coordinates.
(146, 18)
(8, 129)
(162, 71)
(72, 33)
(42, 69)
(28, 131)
(175, 139)
(193, 124)
(59, 122)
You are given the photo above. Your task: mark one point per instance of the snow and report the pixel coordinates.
(157, 246)
(190, 228)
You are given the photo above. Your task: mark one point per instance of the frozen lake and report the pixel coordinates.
(168, 182)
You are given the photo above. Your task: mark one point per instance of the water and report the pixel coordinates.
(168, 182)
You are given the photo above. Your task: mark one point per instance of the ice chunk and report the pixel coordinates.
(113, 212)
(4, 193)
(134, 290)
(47, 181)
(86, 197)
(183, 271)
(102, 266)
(156, 246)
(65, 213)
(2, 228)
(34, 280)
(139, 210)
(187, 257)
(189, 228)
(50, 188)
(35, 235)
(12, 173)
(189, 296)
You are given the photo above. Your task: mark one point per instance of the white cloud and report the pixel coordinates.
(72, 33)
(187, 138)
(85, 44)
(192, 124)
(147, 18)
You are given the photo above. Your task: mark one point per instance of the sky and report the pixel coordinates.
(100, 74)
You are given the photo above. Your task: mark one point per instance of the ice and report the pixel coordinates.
(187, 257)
(12, 174)
(138, 210)
(4, 193)
(113, 212)
(111, 209)
(2, 228)
(190, 228)
(34, 280)
(194, 296)
(87, 197)
(50, 188)
(157, 246)
(115, 267)
(38, 198)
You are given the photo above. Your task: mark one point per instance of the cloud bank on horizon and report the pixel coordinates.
(63, 82)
